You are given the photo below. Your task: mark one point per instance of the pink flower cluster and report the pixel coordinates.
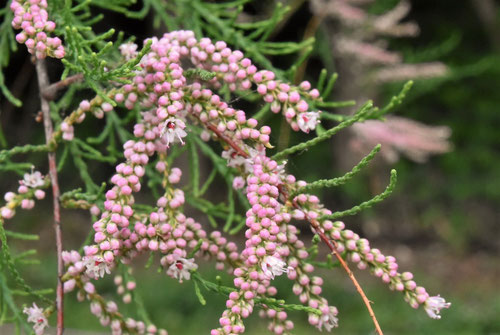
(262, 251)
(239, 73)
(106, 311)
(398, 135)
(358, 251)
(29, 188)
(31, 16)
(362, 38)
(272, 245)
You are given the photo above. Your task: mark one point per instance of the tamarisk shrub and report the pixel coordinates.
(176, 93)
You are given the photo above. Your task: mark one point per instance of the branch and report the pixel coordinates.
(226, 139)
(332, 245)
(43, 82)
(49, 93)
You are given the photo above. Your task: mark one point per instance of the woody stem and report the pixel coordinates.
(43, 82)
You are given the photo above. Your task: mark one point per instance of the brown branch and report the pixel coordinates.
(43, 82)
(332, 244)
(311, 29)
(49, 93)
(226, 139)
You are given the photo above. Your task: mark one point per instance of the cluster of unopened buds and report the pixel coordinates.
(30, 188)
(272, 248)
(125, 289)
(31, 16)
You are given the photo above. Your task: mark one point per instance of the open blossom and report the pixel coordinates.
(308, 121)
(173, 130)
(128, 50)
(35, 315)
(181, 268)
(433, 305)
(233, 158)
(273, 266)
(95, 266)
(33, 179)
(328, 321)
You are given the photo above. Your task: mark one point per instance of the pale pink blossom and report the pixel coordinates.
(366, 52)
(33, 179)
(433, 305)
(238, 183)
(233, 158)
(173, 130)
(128, 50)
(35, 315)
(328, 321)
(398, 135)
(95, 266)
(308, 121)
(273, 266)
(402, 72)
(181, 268)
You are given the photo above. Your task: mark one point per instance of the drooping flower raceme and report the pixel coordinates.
(31, 16)
(272, 247)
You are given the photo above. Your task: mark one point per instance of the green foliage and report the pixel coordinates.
(8, 44)
(343, 179)
(362, 113)
(367, 204)
(8, 265)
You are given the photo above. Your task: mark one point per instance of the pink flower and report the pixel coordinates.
(35, 315)
(128, 50)
(273, 266)
(307, 121)
(238, 183)
(33, 179)
(328, 321)
(398, 135)
(181, 268)
(433, 305)
(233, 158)
(95, 266)
(173, 130)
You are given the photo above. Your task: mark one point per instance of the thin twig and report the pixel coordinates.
(311, 28)
(332, 244)
(43, 82)
(226, 139)
(49, 93)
